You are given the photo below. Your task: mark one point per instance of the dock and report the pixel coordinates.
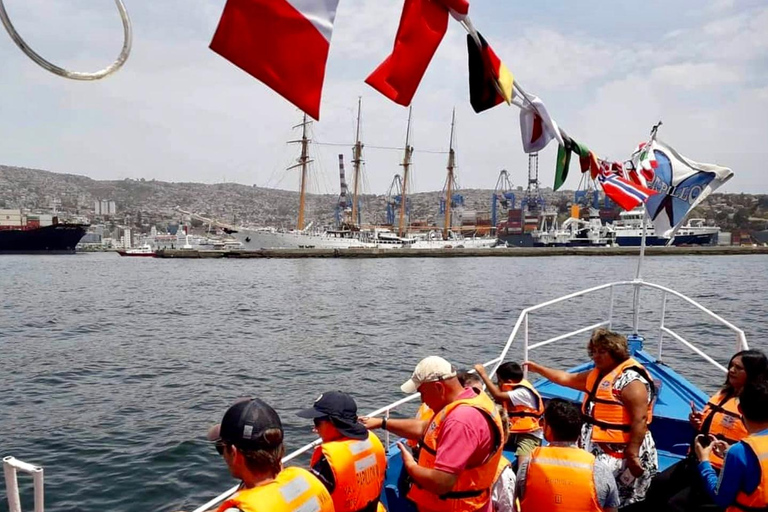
(464, 253)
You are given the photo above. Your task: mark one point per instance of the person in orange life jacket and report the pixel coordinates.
(679, 488)
(617, 405)
(250, 439)
(523, 404)
(503, 492)
(743, 482)
(461, 445)
(351, 462)
(561, 476)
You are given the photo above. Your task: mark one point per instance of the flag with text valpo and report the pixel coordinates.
(681, 184)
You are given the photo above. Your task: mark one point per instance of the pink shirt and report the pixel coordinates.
(465, 440)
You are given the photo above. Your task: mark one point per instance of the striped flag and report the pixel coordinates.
(490, 82)
(626, 194)
(536, 126)
(283, 43)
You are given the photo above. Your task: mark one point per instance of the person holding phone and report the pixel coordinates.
(679, 488)
(743, 481)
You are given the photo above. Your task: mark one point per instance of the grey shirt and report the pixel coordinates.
(605, 483)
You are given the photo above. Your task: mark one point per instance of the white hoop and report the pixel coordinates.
(74, 75)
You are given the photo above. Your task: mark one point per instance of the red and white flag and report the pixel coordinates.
(644, 162)
(537, 127)
(423, 24)
(283, 43)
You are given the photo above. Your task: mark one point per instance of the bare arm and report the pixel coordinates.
(432, 480)
(497, 394)
(577, 381)
(409, 428)
(635, 399)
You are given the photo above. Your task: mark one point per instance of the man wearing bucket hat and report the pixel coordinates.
(250, 439)
(351, 461)
(461, 444)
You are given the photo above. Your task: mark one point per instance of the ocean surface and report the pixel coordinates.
(112, 369)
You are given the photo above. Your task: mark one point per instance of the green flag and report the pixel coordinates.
(563, 162)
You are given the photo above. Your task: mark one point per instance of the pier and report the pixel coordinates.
(465, 253)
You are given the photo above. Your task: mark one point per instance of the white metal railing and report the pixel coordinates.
(522, 321)
(10, 468)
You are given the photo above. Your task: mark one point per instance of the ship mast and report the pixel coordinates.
(450, 179)
(357, 159)
(304, 161)
(406, 167)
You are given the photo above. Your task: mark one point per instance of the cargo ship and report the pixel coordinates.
(22, 233)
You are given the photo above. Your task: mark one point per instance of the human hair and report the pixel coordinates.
(755, 365)
(504, 420)
(470, 380)
(510, 371)
(612, 342)
(752, 400)
(564, 419)
(266, 460)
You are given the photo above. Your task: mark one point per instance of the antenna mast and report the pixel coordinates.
(304, 161)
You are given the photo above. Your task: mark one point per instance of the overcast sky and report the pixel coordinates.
(607, 70)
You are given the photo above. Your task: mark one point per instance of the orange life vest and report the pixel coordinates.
(721, 418)
(523, 419)
(758, 499)
(472, 490)
(560, 479)
(425, 414)
(609, 418)
(293, 489)
(358, 469)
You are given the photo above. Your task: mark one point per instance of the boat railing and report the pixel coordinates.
(11, 466)
(522, 323)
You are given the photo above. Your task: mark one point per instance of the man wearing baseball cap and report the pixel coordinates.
(351, 462)
(250, 439)
(461, 445)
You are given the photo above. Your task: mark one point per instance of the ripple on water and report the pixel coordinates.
(112, 373)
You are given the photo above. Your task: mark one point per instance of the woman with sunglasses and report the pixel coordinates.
(617, 408)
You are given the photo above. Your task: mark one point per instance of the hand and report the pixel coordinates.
(702, 452)
(635, 466)
(480, 369)
(408, 459)
(533, 367)
(696, 417)
(719, 447)
(370, 423)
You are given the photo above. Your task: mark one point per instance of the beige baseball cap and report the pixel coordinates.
(429, 369)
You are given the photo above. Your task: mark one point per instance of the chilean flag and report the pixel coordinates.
(623, 192)
(283, 43)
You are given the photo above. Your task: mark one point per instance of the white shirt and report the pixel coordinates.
(503, 492)
(523, 397)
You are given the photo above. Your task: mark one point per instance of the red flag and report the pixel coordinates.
(626, 194)
(283, 43)
(423, 24)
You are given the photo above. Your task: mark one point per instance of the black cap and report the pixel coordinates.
(341, 409)
(245, 423)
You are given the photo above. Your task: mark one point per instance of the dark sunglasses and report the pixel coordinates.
(220, 447)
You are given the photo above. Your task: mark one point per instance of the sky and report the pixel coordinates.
(607, 71)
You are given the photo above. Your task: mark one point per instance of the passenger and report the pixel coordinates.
(423, 414)
(561, 476)
(679, 488)
(743, 482)
(617, 406)
(503, 492)
(461, 445)
(250, 439)
(351, 461)
(470, 380)
(523, 404)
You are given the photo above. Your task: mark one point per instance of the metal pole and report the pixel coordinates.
(610, 311)
(661, 324)
(11, 486)
(525, 345)
(638, 274)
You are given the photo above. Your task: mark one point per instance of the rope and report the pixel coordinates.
(74, 75)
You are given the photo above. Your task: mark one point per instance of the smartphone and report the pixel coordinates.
(704, 441)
